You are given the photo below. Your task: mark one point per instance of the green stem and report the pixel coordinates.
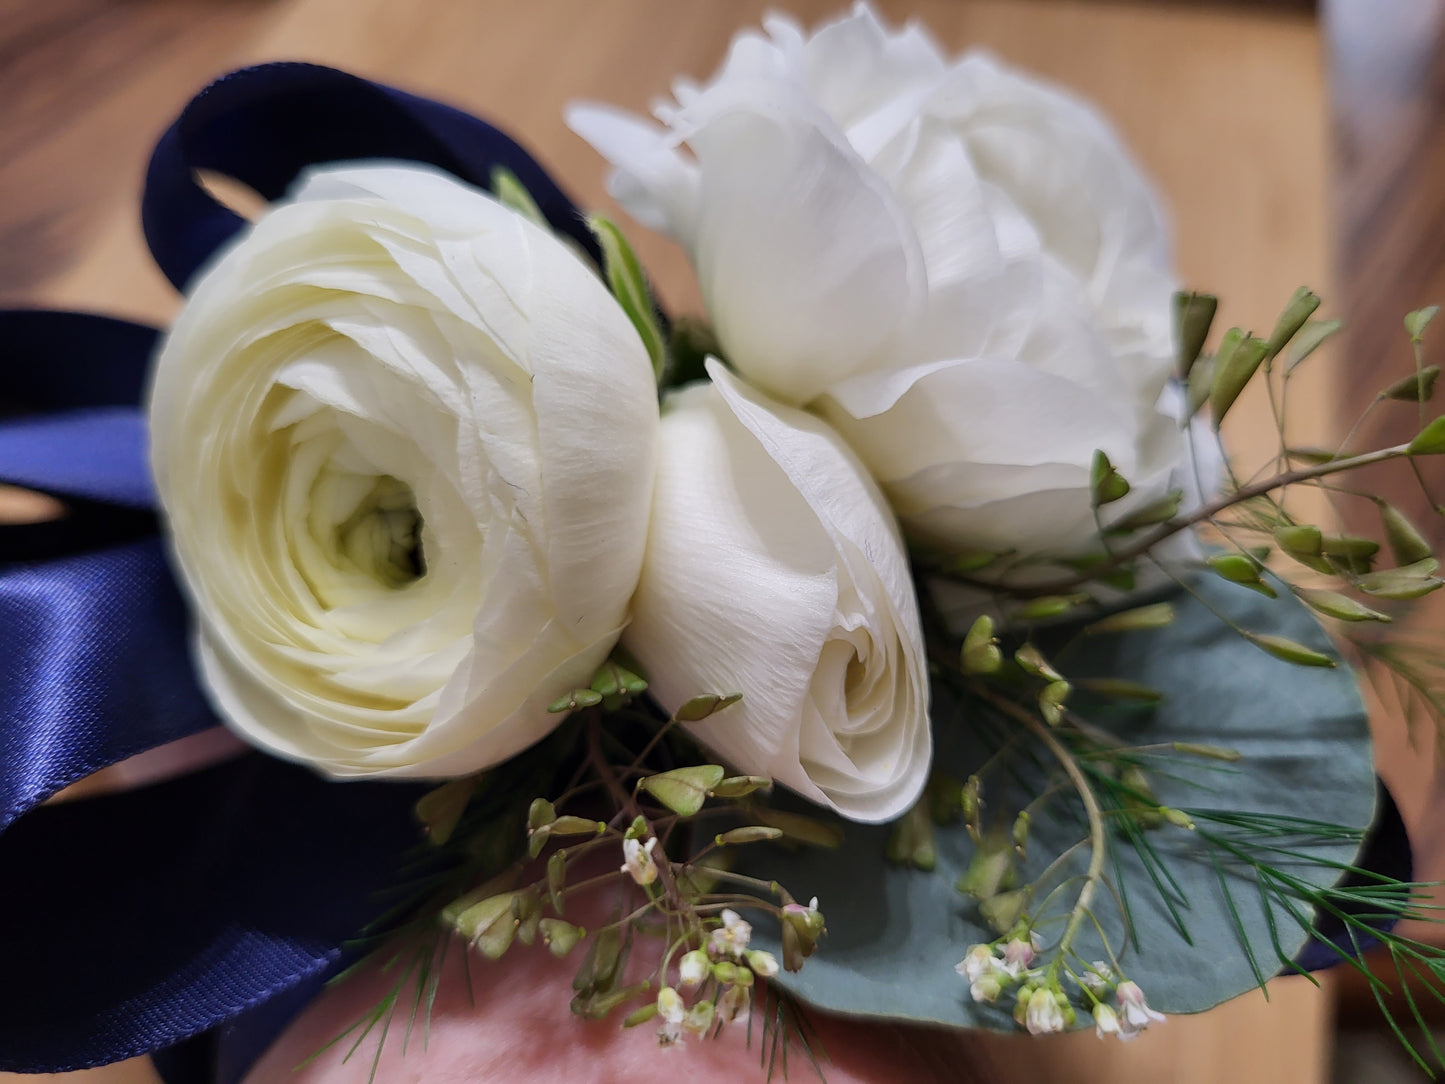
(1095, 873)
(1206, 512)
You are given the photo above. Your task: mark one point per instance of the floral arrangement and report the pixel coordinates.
(891, 639)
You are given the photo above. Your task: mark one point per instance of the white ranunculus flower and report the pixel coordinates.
(405, 440)
(957, 265)
(774, 569)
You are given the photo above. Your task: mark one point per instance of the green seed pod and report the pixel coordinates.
(1416, 322)
(1411, 581)
(1341, 607)
(752, 833)
(1051, 701)
(683, 790)
(441, 809)
(1105, 483)
(560, 937)
(1193, 314)
(575, 700)
(1232, 373)
(1155, 616)
(1406, 543)
(1002, 912)
(1430, 441)
(700, 707)
(740, 786)
(1300, 308)
(1418, 387)
(1305, 544)
(1032, 660)
(980, 653)
(1310, 338)
(1288, 650)
(799, 827)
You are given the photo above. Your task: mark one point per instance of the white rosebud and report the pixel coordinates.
(637, 860)
(774, 569)
(959, 265)
(388, 431)
(1135, 1014)
(1043, 1015)
(732, 937)
(693, 968)
(763, 964)
(1106, 1022)
(733, 1003)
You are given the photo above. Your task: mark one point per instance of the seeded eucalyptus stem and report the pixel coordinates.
(1097, 843)
(1124, 554)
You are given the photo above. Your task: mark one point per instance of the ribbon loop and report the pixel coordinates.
(264, 125)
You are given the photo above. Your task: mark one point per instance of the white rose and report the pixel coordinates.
(958, 266)
(774, 569)
(405, 441)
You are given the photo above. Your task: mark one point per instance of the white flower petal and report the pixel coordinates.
(393, 359)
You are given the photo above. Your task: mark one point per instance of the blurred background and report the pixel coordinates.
(1296, 142)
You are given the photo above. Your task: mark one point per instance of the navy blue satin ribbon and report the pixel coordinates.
(134, 921)
(264, 125)
(218, 901)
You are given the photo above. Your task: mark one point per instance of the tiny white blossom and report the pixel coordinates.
(637, 860)
(978, 962)
(763, 963)
(733, 1003)
(986, 988)
(1017, 956)
(1044, 1015)
(987, 975)
(731, 939)
(693, 968)
(670, 1005)
(1098, 977)
(1136, 1015)
(1106, 1022)
(698, 1019)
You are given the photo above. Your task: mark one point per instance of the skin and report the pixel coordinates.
(518, 1028)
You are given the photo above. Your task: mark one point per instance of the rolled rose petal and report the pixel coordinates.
(404, 439)
(774, 569)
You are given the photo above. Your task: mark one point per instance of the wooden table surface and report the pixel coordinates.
(1224, 104)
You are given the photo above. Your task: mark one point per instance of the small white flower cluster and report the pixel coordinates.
(1132, 1017)
(730, 965)
(1041, 1006)
(990, 969)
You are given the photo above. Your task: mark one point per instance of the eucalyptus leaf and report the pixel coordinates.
(894, 934)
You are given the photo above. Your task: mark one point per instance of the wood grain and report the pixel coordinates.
(1224, 105)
